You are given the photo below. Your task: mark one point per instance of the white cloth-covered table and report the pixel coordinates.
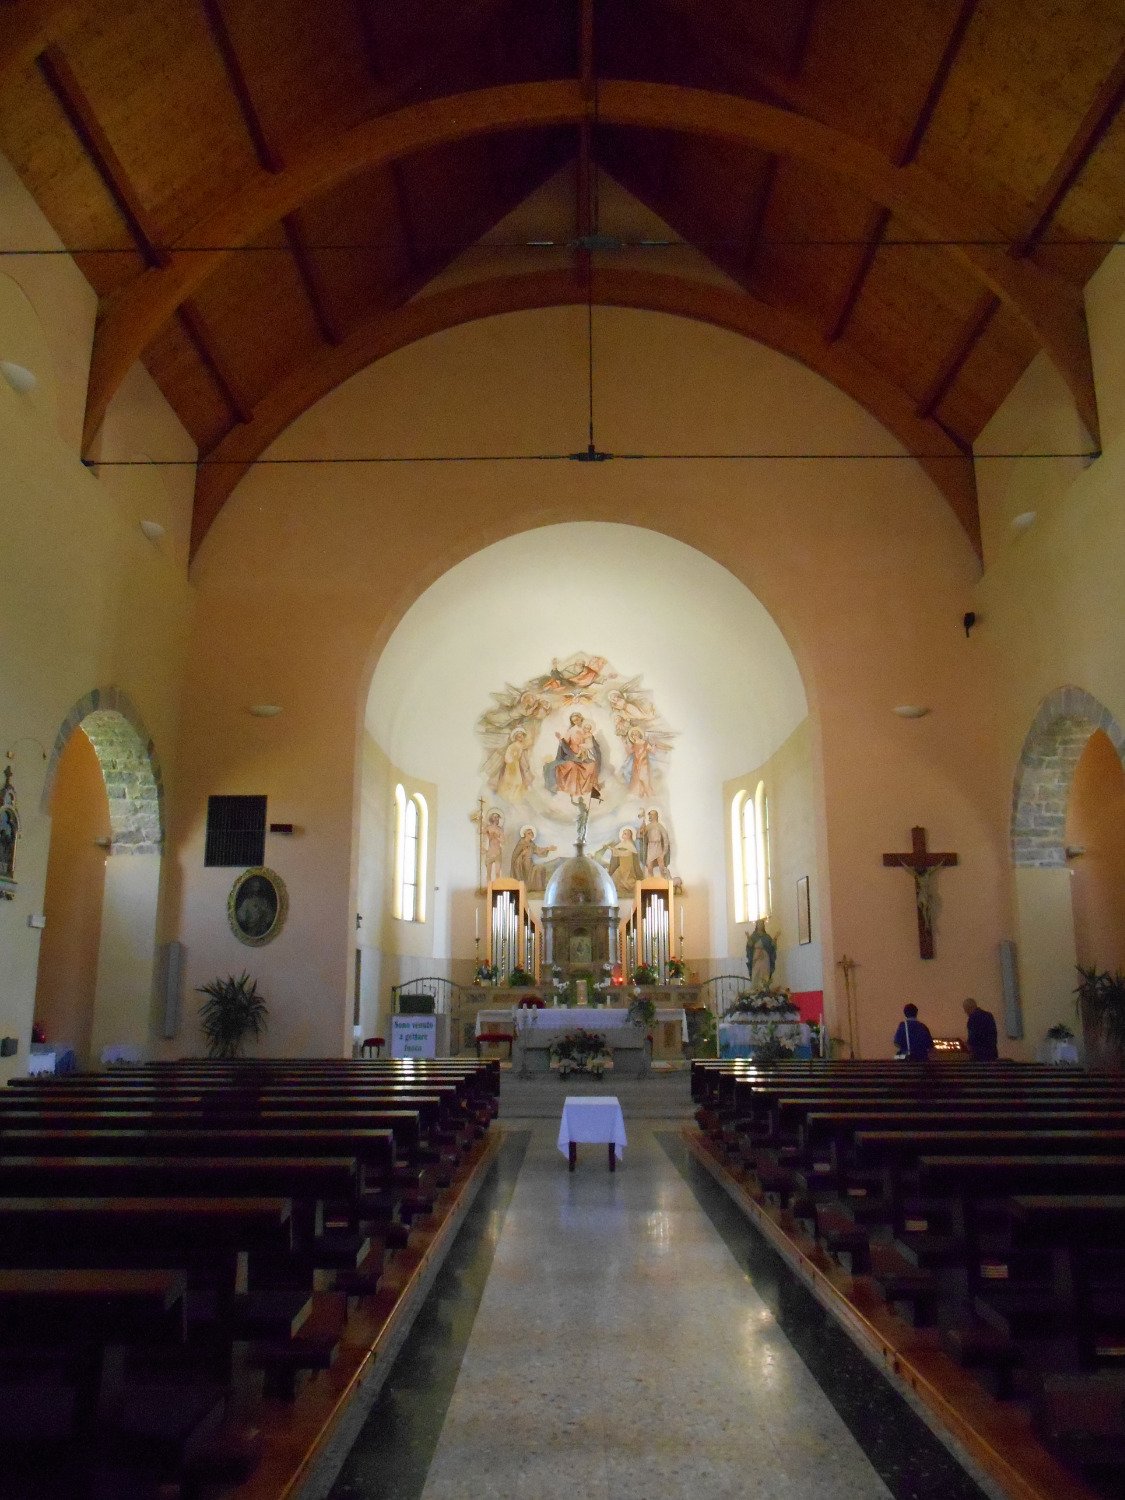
(739, 1038)
(592, 1118)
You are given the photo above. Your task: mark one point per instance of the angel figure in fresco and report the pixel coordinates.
(628, 704)
(493, 839)
(523, 864)
(515, 767)
(513, 707)
(576, 770)
(570, 678)
(636, 771)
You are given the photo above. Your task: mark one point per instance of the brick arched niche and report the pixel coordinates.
(1058, 735)
(132, 775)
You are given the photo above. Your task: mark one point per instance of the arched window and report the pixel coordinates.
(750, 851)
(411, 838)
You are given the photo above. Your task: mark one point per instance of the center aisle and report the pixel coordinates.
(598, 1335)
(620, 1350)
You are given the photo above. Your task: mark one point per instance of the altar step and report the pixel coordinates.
(662, 1096)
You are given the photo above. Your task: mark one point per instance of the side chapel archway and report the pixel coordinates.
(122, 992)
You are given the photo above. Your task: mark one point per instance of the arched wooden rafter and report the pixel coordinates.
(1051, 309)
(948, 464)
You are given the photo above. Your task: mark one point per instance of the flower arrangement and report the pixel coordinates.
(676, 969)
(520, 978)
(642, 1012)
(580, 1051)
(645, 974)
(774, 1003)
(486, 974)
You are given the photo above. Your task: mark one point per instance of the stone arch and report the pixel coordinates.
(1063, 724)
(133, 780)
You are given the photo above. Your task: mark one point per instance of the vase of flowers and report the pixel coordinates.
(520, 978)
(645, 974)
(580, 1051)
(677, 969)
(772, 1004)
(486, 974)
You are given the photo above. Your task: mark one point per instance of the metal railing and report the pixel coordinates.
(444, 993)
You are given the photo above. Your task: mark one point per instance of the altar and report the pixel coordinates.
(535, 1030)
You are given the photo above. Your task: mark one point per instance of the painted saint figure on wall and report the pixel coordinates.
(524, 855)
(493, 847)
(658, 847)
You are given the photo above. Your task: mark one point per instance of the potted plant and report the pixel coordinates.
(702, 1035)
(486, 974)
(232, 1012)
(677, 969)
(1100, 1002)
(579, 1052)
(520, 978)
(645, 974)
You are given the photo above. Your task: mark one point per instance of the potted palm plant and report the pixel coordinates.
(1100, 1002)
(232, 1012)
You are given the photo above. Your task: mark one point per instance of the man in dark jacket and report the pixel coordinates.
(981, 1029)
(912, 1038)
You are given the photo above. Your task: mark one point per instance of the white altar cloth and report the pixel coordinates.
(586, 1018)
(592, 1117)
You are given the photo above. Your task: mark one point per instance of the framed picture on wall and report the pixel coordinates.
(257, 906)
(804, 916)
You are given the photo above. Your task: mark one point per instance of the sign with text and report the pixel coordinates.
(414, 1036)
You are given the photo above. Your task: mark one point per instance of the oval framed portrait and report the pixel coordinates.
(257, 906)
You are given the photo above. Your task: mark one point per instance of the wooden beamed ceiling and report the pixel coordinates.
(909, 197)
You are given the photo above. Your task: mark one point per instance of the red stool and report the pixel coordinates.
(495, 1037)
(376, 1043)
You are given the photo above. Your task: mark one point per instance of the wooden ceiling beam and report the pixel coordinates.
(30, 26)
(1050, 307)
(947, 462)
(1095, 122)
(906, 152)
(236, 76)
(200, 338)
(1100, 114)
(954, 362)
(61, 80)
(271, 160)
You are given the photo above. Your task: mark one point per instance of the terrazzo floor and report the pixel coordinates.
(629, 1335)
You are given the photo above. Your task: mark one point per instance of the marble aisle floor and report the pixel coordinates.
(620, 1349)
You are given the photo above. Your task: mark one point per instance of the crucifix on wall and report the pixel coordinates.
(924, 867)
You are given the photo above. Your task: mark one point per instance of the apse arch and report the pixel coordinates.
(699, 649)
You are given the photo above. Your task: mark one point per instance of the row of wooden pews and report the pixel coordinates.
(182, 1247)
(984, 1203)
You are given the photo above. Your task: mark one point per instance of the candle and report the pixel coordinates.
(476, 923)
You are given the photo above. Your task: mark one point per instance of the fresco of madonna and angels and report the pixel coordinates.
(577, 731)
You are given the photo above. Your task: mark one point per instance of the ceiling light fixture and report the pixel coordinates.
(152, 529)
(19, 377)
(911, 711)
(1020, 523)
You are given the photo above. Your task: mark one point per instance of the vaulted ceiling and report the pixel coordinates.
(907, 195)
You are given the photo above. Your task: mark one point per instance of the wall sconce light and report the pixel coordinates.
(1020, 523)
(264, 710)
(911, 711)
(19, 377)
(152, 529)
(1074, 851)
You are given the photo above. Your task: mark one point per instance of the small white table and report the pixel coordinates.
(592, 1117)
